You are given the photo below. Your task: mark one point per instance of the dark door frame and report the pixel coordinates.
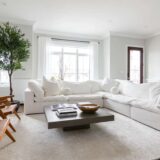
(141, 62)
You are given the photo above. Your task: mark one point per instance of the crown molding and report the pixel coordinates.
(127, 35)
(12, 20)
(68, 35)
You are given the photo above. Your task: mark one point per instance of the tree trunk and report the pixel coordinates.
(10, 86)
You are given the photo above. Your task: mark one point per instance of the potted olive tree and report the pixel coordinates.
(14, 49)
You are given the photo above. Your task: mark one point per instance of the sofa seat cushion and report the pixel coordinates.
(84, 97)
(119, 98)
(147, 105)
(59, 98)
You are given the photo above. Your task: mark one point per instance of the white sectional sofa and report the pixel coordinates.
(140, 102)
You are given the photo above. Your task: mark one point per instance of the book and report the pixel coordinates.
(63, 106)
(60, 115)
(66, 111)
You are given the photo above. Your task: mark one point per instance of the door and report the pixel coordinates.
(135, 64)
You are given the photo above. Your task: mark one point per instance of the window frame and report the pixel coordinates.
(77, 54)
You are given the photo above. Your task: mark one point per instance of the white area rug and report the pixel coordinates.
(122, 139)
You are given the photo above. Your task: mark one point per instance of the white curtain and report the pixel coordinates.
(94, 62)
(43, 42)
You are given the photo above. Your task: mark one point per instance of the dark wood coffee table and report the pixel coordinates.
(81, 121)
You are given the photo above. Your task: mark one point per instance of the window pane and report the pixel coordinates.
(69, 67)
(4, 77)
(83, 68)
(83, 50)
(69, 50)
(52, 65)
(135, 66)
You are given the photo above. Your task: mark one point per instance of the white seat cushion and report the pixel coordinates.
(119, 98)
(59, 98)
(147, 105)
(83, 97)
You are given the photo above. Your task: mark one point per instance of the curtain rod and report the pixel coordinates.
(61, 39)
(65, 39)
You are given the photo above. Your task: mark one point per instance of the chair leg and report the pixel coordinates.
(17, 115)
(10, 135)
(11, 126)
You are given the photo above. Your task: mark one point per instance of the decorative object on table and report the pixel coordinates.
(63, 106)
(8, 108)
(3, 129)
(88, 107)
(67, 112)
(14, 49)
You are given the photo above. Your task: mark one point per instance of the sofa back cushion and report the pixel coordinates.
(95, 85)
(51, 88)
(77, 87)
(108, 84)
(36, 87)
(155, 93)
(139, 91)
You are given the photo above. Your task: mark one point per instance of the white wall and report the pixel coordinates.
(118, 54)
(152, 46)
(21, 77)
(106, 57)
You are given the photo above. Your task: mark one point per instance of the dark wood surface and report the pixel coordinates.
(102, 115)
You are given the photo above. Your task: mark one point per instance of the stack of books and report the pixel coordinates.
(63, 106)
(66, 112)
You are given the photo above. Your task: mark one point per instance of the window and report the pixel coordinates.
(4, 79)
(68, 62)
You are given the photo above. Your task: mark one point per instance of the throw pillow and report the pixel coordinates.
(114, 90)
(36, 88)
(51, 88)
(66, 91)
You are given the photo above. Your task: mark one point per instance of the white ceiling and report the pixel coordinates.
(87, 17)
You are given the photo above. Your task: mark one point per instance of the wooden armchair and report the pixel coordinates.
(3, 129)
(8, 108)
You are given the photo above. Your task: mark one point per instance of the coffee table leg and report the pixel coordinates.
(86, 126)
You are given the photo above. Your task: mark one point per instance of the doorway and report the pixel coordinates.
(135, 64)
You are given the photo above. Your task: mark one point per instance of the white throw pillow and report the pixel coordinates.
(66, 91)
(114, 90)
(107, 84)
(51, 88)
(36, 87)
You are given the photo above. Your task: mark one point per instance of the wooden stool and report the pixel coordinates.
(9, 108)
(3, 129)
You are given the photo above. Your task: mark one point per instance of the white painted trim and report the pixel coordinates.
(127, 35)
(16, 21)
(67, 35)
(152, 35)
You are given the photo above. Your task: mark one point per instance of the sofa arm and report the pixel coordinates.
(28, 99)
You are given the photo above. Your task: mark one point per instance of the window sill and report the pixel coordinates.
(4, 85)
